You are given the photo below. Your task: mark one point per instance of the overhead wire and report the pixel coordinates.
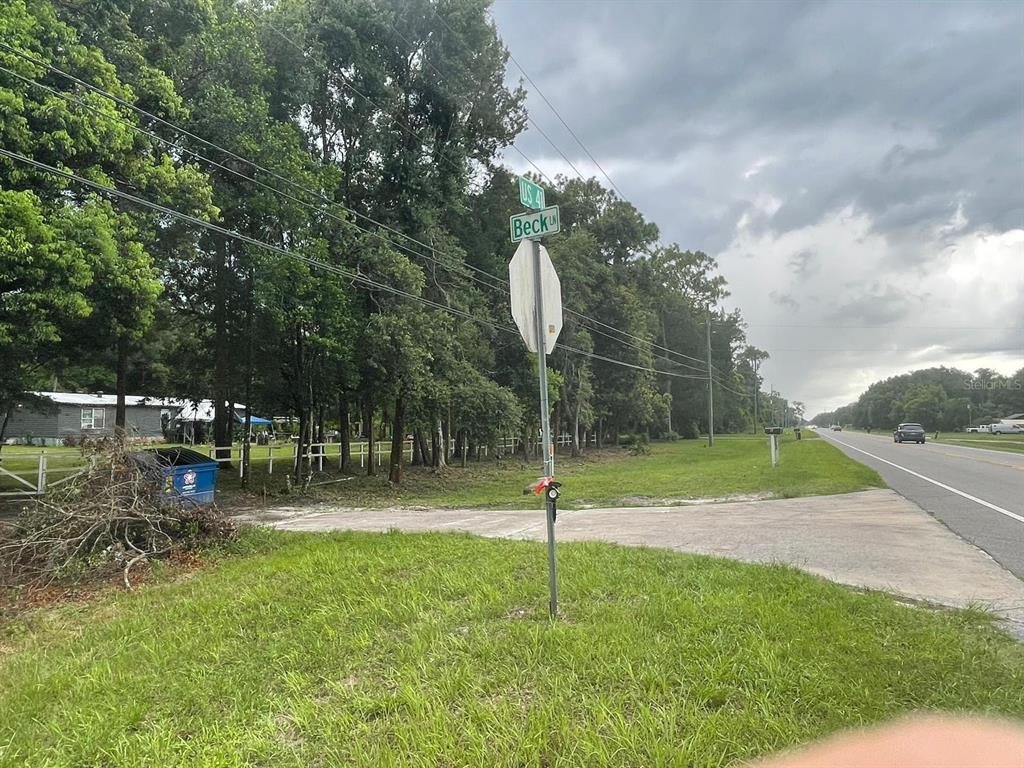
(348, 81)
(579, 315)
(566, 125)
(498, 282)
(71, 98)
(537, 125)
(355, 277)
(235, 235)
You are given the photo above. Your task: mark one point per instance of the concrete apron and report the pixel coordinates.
(873, 539)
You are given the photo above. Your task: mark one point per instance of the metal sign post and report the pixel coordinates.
(536, 296)
(545, 430)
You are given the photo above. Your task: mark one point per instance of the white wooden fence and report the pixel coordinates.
(36, 481)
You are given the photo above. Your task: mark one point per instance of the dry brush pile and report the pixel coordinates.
(109, 518)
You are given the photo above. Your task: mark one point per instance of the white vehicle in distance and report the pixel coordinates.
(1011, 425)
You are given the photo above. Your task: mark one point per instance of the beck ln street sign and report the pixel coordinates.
(535, 224)
(531, 195)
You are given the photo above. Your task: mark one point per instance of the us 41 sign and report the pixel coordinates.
(531, 195)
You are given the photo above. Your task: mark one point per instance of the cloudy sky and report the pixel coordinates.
(856, 168)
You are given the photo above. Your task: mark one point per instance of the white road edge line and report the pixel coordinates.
(949, 488)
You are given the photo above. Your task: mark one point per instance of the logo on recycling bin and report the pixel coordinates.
(188, 480)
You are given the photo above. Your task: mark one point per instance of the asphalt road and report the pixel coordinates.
(976, 493)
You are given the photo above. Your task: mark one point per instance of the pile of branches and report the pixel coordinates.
(109, 518)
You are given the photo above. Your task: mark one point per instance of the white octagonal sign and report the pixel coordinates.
(522, 282)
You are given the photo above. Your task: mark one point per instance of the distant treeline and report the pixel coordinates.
(944, 399)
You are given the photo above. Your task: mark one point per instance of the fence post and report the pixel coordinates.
(41, 478)
(270, 456)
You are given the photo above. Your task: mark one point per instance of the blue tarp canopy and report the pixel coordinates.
(259, 420)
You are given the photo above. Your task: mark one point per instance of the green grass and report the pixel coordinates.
(686, 469)
(416, 650)
(1009, 443)
(671, 472)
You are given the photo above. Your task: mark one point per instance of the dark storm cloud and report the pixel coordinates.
(848, 163)
(894, 107)
(879, 307)
(803, 264)
(783, 300)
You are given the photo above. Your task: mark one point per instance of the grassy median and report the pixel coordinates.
(1008, 443)
(395, 649)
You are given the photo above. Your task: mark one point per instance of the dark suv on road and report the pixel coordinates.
(908, 433)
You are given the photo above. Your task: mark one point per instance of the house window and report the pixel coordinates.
(94, 418)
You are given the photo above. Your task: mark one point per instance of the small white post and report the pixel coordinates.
(41, 479)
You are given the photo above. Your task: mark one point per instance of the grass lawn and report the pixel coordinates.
(396, 649)
(671, 472)
(686, 469)
(1010, 443)
(682, 470)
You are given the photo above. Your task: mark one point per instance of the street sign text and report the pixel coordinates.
(535, 224)
(531, 195)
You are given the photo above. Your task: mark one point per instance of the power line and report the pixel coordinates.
(646, 368)
(333, 268)
(498, 282)
(292, 42)
(570, 130)
(96, 89)
(559, 116)
(195, 220)
(578, 173)
(730, 389)
(301, 50)
(637, 338)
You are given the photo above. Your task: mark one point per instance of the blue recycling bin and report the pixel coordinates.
(186, 476)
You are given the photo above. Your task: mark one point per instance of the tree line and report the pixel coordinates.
(301, 205)
(945, 399)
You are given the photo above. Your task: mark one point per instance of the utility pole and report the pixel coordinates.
(711, 391)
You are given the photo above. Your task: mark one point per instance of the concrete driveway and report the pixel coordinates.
(875, 539)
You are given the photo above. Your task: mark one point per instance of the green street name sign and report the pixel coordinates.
(531, 195)
(535, 224)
